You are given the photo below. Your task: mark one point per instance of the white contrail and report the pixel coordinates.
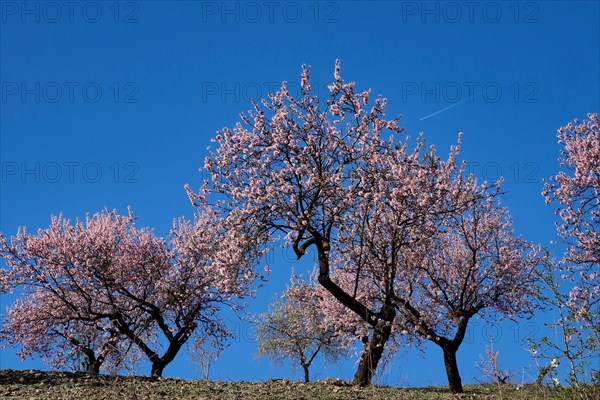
(449, 107)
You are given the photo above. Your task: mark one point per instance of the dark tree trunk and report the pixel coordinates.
(175, 341)
(158, 367)
(306, 374)
(159, 364)
(373, 351)
(454, 381)
(94, 367)
(448, 346)
(93, 362)
(381, 322)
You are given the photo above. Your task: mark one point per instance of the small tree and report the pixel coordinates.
(574, 340)
(203, 350)
(294, 328)
(489, 365)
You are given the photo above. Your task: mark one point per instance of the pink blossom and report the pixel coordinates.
(102, 285)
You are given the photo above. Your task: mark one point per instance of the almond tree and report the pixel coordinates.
(434, 248)
(473, 265)
(106, 271)
(294, 328)
(307, 168)
(409, 196)
(294, 166)
(62, 271)
(576, 191)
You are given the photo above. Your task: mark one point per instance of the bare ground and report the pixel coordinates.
(30, 384)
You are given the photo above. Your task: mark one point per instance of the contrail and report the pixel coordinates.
(449, 107)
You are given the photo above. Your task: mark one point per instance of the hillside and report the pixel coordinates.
(30, 384)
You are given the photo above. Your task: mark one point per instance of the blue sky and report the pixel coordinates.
(112, 104)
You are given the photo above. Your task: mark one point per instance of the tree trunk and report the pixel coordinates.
(158, 367)
(94, 367)
(381, 322)
(306, 374)
(371, 355)
(454, 381)
(159, 363)
(93, 362)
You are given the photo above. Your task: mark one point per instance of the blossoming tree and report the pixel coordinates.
(294, 329)
(464, 262)
(106, 271)
(323, 173)
(294, 166)
(408, 195)
(576, 191)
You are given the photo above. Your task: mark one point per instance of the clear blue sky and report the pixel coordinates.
(112, 104)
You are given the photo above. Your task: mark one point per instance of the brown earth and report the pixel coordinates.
(30, 384)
